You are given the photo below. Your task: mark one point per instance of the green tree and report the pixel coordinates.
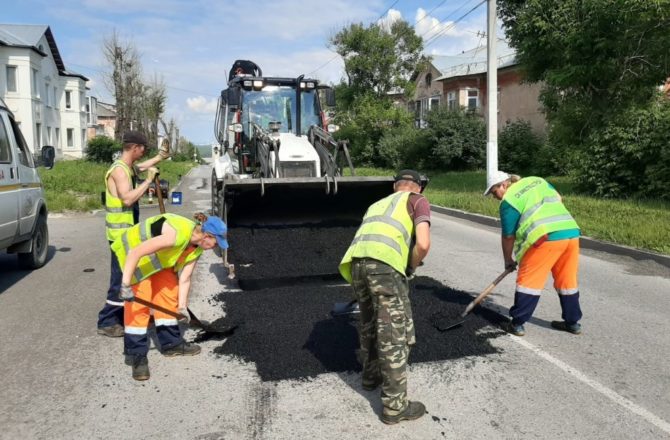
(379, 58)
(595, 57)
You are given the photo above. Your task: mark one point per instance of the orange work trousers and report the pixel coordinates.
(162, 289)
(561, 258)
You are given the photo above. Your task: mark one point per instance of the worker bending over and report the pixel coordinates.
(545, 238)
(378, 264)
(158, 257)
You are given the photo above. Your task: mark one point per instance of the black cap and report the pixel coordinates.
(412, 175)
(134, 137)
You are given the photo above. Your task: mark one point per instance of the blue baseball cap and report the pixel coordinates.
(216, 227)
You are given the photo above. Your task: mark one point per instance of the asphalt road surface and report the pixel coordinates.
(60, 380)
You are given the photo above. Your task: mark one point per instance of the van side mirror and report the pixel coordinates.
(48, 156)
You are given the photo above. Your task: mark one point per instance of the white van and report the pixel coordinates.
(23, 210)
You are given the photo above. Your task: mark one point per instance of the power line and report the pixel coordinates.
(439, 22)
(434, 38)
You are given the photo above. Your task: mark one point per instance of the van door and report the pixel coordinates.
(9, 186)
(30, 189)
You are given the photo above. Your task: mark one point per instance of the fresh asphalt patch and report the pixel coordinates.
(289, 281)
(288, 332)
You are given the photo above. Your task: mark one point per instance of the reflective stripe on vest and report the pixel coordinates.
(164, 258)
(385, 234)
(118, 217)
(541, 211)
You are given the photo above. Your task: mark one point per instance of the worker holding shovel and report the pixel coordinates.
(544, 237)
(378, 264)
(158, 257)
(121, 204)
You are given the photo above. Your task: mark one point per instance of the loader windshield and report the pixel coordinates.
(278, 104)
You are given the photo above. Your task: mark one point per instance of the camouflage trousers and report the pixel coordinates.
(386, 330)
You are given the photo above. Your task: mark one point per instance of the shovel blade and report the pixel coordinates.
(342, 309)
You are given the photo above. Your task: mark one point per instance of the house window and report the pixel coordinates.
(48, 135)
(70, 137)
(83, 139)
(452, 102)
(429, 79)
(38, 136)
(48, 95)
(57, 137)
(36, 90)
(11, 79)
(82, 104)
(68, 99)
(473, 99)
(434, 102)
(55, 101)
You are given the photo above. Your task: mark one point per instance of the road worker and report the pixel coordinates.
(121, 204)
(378, 264)
(544, 237)
(158, 257)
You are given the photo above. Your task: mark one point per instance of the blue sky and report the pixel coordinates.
(191, 44)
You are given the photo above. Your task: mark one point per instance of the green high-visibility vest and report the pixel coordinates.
(385, 235)
(541, 211)
(118, 217)
(164, 258)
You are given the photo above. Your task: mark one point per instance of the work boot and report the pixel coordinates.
(182, 349)
(413, 411)
(372, 385)
(113, 331)
(575, 329)
(140, 368)
(516, 330)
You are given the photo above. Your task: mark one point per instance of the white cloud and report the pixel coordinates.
(200, 104)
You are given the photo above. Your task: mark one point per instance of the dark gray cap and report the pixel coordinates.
(411, 175)
(134, 137)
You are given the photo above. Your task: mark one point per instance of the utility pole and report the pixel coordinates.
(491, 91)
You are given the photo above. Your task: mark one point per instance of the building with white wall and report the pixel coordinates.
(48, 101)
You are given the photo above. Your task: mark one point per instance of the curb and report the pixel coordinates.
(585, 242)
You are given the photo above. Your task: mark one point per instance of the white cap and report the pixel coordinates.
(495, 178)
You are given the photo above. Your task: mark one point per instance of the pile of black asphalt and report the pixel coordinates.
(290, 283)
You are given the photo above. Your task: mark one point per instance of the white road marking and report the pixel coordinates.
(602, 389)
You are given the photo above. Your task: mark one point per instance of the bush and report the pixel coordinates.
(629, 155)
(458, 139)
(365, 124)
(521, 151)
(101, 149)
(405, 148)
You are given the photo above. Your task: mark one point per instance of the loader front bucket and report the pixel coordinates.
(295, 228)
(295, 201)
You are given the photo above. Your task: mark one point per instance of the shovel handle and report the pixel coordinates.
(159, 308)
(486, 292)
(159, 194)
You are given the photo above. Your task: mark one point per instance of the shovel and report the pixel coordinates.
(444, 324)
(195, 322)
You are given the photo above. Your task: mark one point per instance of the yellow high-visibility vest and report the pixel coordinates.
(164, 258)
(541, 211)
(384, 235)
(118, 217)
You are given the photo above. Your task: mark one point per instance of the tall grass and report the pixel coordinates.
(75, 185)
(641, 224)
